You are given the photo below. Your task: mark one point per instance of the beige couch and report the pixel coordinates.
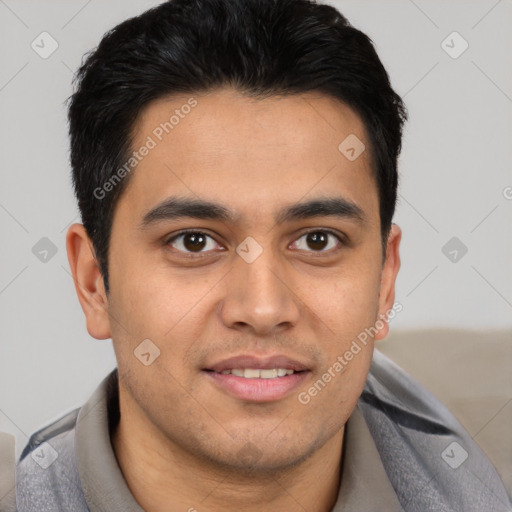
(471, 373)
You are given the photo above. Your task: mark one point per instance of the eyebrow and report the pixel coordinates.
(183, 207)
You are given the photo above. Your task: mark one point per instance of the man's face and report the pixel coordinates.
(209, 296)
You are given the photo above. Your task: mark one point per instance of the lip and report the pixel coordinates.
(267, 362)
(257, 390)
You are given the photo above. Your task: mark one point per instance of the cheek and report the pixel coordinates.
(346, 302)
(347, 307)
(171, 311)
(146, 294)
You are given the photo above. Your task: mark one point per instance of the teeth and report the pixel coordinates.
(253, 373)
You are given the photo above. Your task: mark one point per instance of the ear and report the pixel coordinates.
(88, 280)
(388, 277)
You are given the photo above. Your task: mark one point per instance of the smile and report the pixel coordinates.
(254, 373)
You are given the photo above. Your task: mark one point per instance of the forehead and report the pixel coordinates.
(243, 150)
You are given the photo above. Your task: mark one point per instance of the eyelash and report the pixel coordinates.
(200, 254)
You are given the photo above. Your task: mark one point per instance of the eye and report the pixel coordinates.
(192, 242)
(319, 241)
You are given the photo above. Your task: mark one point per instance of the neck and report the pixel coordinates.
(163, 477)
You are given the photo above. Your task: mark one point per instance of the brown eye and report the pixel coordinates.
(192, 242)
(318, 241)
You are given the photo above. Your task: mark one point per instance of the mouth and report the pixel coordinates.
(256, 379)
(258, 373)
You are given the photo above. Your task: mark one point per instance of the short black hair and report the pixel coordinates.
(259, 47)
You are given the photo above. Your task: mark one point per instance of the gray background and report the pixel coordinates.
(455, 174)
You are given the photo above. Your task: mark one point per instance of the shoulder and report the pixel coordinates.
(46, 475)
(431, 460)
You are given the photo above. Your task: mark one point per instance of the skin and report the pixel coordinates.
(179, 439)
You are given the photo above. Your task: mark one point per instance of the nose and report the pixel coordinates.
(259, 298)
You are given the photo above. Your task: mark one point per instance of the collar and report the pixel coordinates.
(103, 484)
(364, 484)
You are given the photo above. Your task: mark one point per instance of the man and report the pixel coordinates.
(235, 164)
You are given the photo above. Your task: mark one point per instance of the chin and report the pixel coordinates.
(256, 457)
